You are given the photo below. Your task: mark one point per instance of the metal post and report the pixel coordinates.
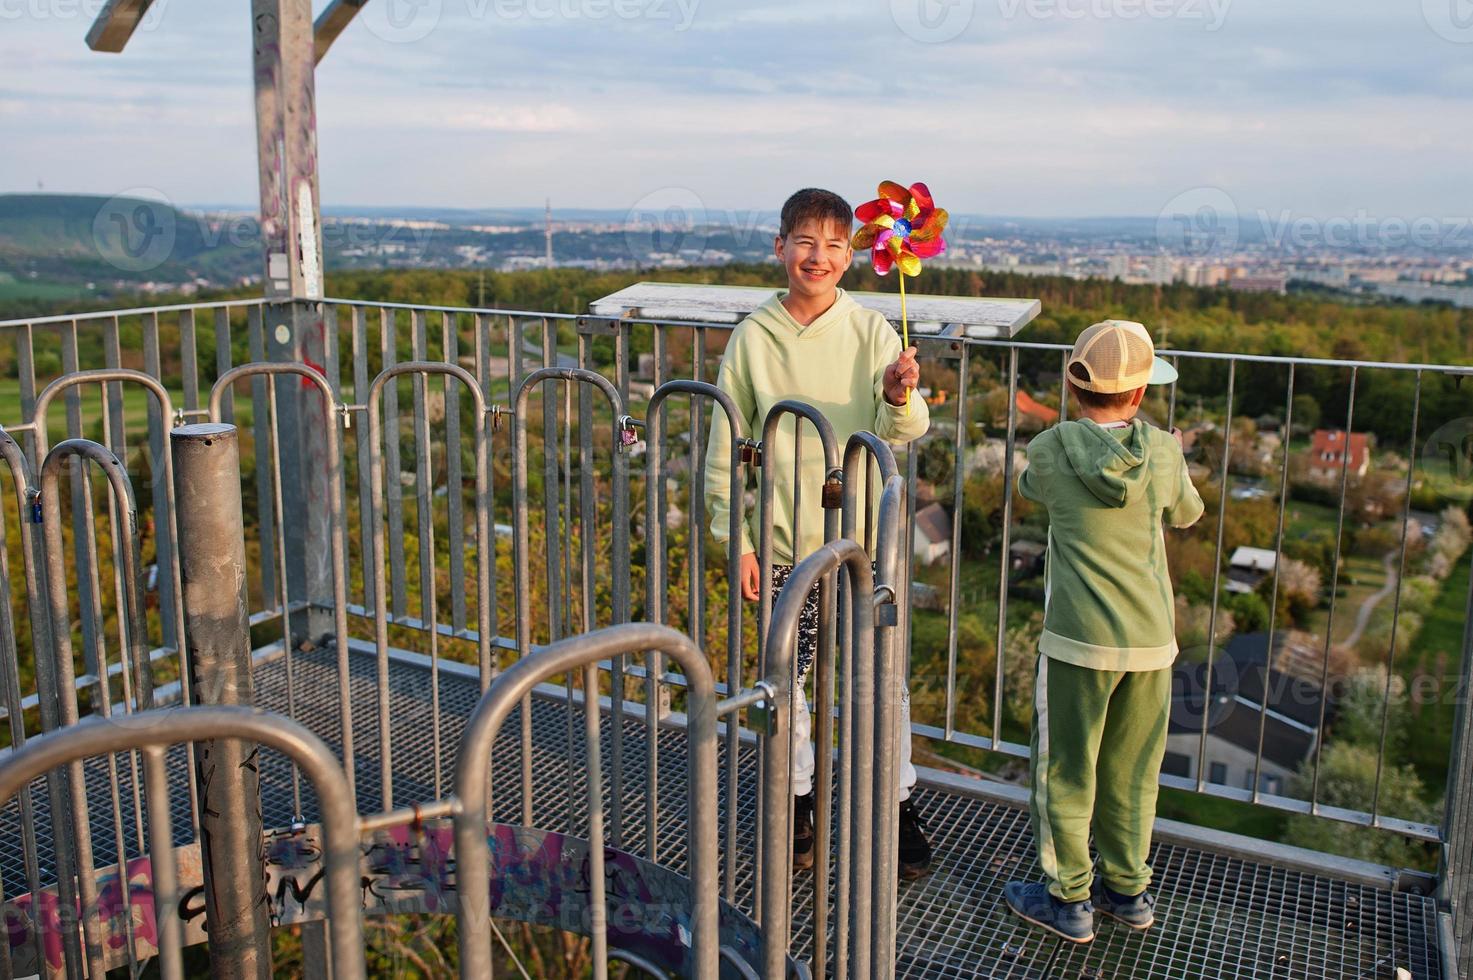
(294, 332)
(212, 560)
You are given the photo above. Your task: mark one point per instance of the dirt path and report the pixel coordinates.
(1367, 608)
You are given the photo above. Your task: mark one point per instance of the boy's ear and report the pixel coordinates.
(777, 246)
(1138, 397)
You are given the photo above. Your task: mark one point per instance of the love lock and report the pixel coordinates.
(833, 492)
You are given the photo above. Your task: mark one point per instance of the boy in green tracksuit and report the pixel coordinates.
(813, 343)
(1102, 694)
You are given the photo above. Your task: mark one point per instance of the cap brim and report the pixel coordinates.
(1162, 373)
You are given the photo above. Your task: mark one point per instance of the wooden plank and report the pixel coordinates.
(979, 317)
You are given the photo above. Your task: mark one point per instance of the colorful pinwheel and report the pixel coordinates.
(901, 227)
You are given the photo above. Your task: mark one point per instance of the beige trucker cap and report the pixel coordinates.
(1117, 355)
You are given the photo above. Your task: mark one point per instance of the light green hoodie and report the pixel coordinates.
(837, 365)
(1108, 602)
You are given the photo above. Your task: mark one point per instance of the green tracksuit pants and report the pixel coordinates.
(1098, 740)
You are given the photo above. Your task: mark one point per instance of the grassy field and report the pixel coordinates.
(1436, 655)
(16, 290)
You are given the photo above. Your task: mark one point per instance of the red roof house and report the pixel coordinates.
(1327, 453)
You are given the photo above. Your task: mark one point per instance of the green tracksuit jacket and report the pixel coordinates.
(1103, 688)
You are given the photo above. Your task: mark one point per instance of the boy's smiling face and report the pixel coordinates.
(815, 254)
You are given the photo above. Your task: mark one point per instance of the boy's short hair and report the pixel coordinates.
(815, 203)
(1096, 400)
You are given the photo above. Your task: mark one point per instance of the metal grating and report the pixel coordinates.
(1217, 916)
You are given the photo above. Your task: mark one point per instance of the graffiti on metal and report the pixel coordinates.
(24, 915)
(536, 876)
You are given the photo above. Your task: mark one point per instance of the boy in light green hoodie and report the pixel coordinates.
(814, 344)
(1102, 694)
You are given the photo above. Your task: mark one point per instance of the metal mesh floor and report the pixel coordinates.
(1217, 916)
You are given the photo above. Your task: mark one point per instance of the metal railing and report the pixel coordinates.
(506, 350)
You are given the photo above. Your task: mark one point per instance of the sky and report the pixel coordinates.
(1047, 108)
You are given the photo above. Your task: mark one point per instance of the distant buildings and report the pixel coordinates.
(1327, 450)
(933, 534)
(1259, 284)
(1246, 697)
(1248, 567)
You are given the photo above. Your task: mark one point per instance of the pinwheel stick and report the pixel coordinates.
(904, 334)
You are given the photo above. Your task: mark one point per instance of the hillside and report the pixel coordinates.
(100, 246)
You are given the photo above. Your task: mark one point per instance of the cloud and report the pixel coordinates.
(1316, 105)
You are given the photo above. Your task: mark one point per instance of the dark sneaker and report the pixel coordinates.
(915, 850)
(1031, 902)
(803, 832)
(1135, 911)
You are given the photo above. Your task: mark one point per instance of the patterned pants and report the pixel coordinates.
(803, 757)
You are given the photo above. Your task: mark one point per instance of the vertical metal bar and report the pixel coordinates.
(889, 715)
(1401, 569)
(158, 442)
(587, 524)
(188, 360)
(425, 528)
(115, 434)
(522, 582)
(165, 875)
(1222, 485)
(395, 491)
(25, 368)
(224, 359)
(266, 515)
(333, 370)
(10, 667)
(84, 526)
(1273, 602)
(654, 612)
(697, 537)
(1171, 406)
(958, 492)
(1064, 386)
(76, 883)
(565, 467)
(620, 589)
(485, 499)
(375, 586)
(1004, 546)
(212, 553)
(365, 462)
(1319, 745)
(551, 480)
(454, 490)
(597, 900)
(282, 599)
(339, 534)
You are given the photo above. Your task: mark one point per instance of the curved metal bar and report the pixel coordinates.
(63, 666)
(473, 785)
(858, 451)
(337, 510)
(485, 558)
(831, 462)
(655, 594)
(521, 552)
(823, 665)
(162, 480)
(170, 726)
(891, 674)
(25, 494)
(777, 748)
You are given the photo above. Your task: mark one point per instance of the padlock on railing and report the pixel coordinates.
(833, 490)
